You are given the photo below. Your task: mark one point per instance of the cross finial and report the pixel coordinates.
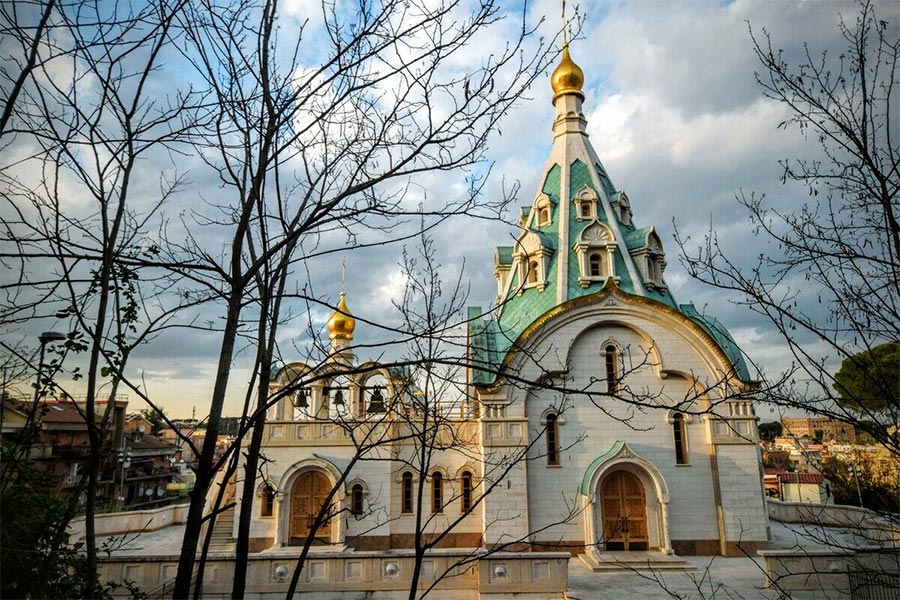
(343, 272)
(565, 30)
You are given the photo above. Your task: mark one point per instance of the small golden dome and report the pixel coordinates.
(341, 324)
(568, 77)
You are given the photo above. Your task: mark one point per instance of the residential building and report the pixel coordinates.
(811, 488)
(818, 428)
(133, 464)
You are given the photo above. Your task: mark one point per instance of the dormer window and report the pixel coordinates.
(651, 259)
(595, 250)
(623, 209)
(544, 208)
(544, 216)
(532, 258)
(503, 261)
(586, 204)
(532, 277)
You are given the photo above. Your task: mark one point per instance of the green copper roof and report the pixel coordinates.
(491, 339)
(605, 181)
(720, 334)
(637, 238)
(589, 472)
(505, 255)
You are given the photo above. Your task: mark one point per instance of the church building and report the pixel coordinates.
(600, 415)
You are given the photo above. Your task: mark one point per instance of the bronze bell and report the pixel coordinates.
(301, 399)
(376, 401)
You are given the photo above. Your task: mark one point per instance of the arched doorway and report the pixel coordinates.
(624, 512)
(308, 494)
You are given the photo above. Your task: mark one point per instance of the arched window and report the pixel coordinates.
(680, 433)
(268, 501)
(406, 493)
(437, 492)
(585, 210)
(552, 439)
(544, 216)
(356, 499)
(466, 498)
(594, 265)
(532, 272)
(612, 370)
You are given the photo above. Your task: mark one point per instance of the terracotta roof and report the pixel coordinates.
(61, 412)
(788, 477)
(815, 478)
(68, 412)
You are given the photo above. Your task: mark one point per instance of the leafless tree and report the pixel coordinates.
(829, 281)
(78, 123)
(307, 153)
(838, 253)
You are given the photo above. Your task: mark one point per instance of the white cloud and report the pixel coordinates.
(674, 113)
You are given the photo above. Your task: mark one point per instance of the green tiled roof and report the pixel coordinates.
(482, 346)
(505, 255)
(492, 339)
(720, 334)
(605, 181)
(636, 238)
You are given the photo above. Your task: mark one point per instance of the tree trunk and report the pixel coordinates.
(248, 491)
(205, 473)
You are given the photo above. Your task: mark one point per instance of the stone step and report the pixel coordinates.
(634, 562)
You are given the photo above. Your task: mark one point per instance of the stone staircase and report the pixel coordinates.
(643, 562)
(221, 541)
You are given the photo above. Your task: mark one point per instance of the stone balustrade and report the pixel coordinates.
(455, 574)
(331, 433)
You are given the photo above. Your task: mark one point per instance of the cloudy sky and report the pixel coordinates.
(674, 113)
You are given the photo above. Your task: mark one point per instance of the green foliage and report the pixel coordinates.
(870, 380)
(36, 560)
(878, 490)
(777, 460)
(155, 418)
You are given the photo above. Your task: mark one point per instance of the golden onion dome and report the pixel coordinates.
(341, 324)
(567, 78)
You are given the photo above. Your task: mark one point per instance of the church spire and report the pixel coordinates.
(578, 233)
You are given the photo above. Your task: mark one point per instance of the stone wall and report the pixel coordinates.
(831, 573)
(373, 575)
(130, 521)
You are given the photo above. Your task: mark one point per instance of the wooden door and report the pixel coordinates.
(308, 494)
(624, 512)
